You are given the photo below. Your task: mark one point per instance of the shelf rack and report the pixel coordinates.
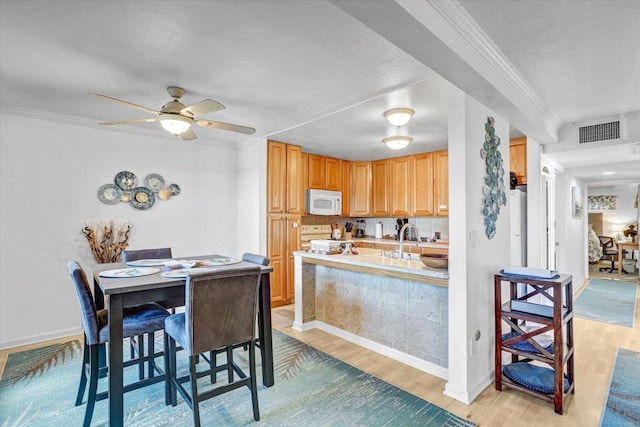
(557, 317)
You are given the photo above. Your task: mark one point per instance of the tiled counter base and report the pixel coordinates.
(401, 318)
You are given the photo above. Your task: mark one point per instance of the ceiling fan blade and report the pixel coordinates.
(188, 135)
(226, 126)
(126, 122)
(128, 104)
(203, 107)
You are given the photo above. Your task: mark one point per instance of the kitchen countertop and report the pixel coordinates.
(370, 261)
(437, 244)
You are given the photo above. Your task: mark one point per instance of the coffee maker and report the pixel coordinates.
(360, 223)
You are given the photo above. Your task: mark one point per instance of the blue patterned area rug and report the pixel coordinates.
(623, 402)
(609, 301)
(38, 388)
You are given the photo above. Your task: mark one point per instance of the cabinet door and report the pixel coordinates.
(422, 185)
(518, 159)
(293, 244)
(399, 187)
(380, 186)
(277, 177)
(441, 162)
(295, 198)
(316, 172)
(360, 189)
(332, 174)
(277, 253)
(346, 187)
(305, 181)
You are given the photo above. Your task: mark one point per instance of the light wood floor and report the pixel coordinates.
(596, 344)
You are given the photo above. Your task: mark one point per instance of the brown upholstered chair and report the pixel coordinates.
(220, 313)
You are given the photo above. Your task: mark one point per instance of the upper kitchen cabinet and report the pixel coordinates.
(380, 170)
(316, 172)
(284, 183)
(422, 185)
(400, 188)
(333, 170)
(441, 179)
(360, 194)
(305, 180)
(518, 158)
(346, 187)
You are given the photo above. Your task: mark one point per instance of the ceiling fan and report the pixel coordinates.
(176, 118)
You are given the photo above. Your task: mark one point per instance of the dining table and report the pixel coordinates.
(624, 245)
(123, 291)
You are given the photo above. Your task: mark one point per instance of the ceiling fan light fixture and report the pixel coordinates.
(174, 123)
(399, 116)
(397, 142)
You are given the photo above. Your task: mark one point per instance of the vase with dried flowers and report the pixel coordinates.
(107, 240)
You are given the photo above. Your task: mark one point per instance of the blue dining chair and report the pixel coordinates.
(220, 313)
(137, 320)
(137, 343)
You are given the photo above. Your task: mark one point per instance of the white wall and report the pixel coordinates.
(535, 197)
(474, 258)
(50, 173)
(571, 232)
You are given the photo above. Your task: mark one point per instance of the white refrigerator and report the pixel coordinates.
(518, 215)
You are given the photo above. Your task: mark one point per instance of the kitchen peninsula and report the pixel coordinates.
(398, 308)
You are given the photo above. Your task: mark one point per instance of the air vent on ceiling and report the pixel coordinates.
(599, 132)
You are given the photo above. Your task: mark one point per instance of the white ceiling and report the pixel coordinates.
(321, 73)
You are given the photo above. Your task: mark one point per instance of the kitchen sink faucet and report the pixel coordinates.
(402, 230)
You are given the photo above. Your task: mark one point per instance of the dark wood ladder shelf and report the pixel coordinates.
(557, 317)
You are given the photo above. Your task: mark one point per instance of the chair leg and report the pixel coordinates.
(167, 371)
(93, 385)
(254, 385)
(141, 357)
(152, 352)
(172, 369)
(213, 361)
(195, 401)
(230, 363)
(83, 373)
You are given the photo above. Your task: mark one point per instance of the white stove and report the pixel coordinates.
(313, 232)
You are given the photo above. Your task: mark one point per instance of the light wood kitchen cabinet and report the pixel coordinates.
(283, 239)
(518, 159)
(360, 196)
(333, 174)
(295, 192)
(284, 185)
(441, 179)
(365, 245)
(380, 187)
(316, 172)
(400, 186)
(277, 173)
(346, 187)
(422, 185)
(305, 181)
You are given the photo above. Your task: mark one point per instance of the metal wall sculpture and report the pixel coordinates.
(494, 188)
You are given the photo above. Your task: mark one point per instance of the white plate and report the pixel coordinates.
(129, 272)
(219, 261)
(184, 272)
(149, 262)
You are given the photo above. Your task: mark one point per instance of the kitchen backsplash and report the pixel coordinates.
(427, 226)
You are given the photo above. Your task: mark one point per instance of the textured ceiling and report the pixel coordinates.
(317, 73)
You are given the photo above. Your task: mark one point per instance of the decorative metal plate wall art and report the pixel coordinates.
(125, 190)
(494, 188)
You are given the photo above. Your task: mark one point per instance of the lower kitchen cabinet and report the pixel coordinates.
(283, 239)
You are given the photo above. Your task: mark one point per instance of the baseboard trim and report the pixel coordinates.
(36, 339)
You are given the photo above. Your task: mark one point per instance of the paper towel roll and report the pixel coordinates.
(379, 230)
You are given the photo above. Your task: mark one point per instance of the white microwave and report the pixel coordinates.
(323, 202)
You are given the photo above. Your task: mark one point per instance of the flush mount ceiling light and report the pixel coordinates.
(397, 142)
(608, 173)
(174, 123)
(399, 116)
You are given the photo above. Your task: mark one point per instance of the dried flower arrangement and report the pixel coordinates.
(107, 240)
